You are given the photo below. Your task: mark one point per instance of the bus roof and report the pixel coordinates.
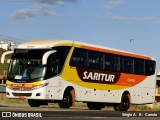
(48, 44)
(39, 44)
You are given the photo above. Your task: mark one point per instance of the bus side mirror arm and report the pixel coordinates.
(4, 54)
(46, 55)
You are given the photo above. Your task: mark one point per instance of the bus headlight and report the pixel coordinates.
(40, 86)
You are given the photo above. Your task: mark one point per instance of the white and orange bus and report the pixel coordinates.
(45, 71)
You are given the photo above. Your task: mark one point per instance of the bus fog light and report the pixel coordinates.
(7, 93)
(39, 94)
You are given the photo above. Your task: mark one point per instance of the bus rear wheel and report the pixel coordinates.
(34, 103)
(124, 105)
(94, 106)
(67, 100)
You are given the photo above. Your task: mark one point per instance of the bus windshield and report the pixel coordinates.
(26, 65)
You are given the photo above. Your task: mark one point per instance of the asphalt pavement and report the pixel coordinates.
(16, 112)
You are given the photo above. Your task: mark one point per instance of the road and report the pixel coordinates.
(13, 112)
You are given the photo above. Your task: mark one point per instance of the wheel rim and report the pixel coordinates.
(67, 99)
(125, 103)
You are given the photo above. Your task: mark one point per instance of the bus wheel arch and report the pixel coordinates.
(68, 98)
(125, 102)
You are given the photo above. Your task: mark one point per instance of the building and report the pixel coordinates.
(7, 45)
(158, 88)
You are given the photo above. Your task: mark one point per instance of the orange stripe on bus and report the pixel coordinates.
(130, 79)
(116, 52)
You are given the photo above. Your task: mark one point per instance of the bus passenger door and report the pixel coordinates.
(52, 88)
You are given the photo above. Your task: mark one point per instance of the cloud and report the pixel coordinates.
(50, 2)
(146, 19)
(113, 4)
(42, 8)
(55, 2)
(25, 13)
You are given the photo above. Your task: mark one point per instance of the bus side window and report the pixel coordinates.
(149, 67)
(52, 66)
(78, 58)
(139, 67)
(111, 63)
(75, 61)
(126, 64)
(95, 60)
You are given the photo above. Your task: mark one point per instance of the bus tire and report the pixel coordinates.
(94, 106)
(34, 103)
(67, 100)
(124, 105)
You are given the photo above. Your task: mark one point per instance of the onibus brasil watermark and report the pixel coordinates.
(22, 114)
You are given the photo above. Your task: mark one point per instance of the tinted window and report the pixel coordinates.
(139, 66)
(79, 58)
(56, 61)
(149, 67)
(126, 64)
(111, 62)
(95, 60)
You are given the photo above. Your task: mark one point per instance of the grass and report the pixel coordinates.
(141, 108)
(5, 100)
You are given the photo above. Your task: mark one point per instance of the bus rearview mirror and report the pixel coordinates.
(46, 55)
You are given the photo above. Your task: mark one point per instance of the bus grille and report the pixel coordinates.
(22, 94)
(21, 89)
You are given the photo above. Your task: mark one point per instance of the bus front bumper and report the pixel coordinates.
(39, 93)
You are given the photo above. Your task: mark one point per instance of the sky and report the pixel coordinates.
(130, 25)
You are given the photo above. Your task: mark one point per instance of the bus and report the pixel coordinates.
(66, 72)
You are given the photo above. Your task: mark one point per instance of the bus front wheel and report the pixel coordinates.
(67, 100)
(124, 105)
